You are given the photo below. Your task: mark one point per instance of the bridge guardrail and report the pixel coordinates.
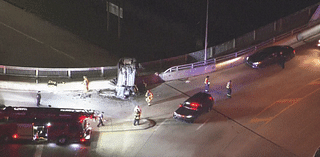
(112, 71)
(58, 72)
(239, 53)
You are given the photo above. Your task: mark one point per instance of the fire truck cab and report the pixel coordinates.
(59, 125)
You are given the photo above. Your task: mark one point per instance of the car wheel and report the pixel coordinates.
(191, 121)
(62, 140)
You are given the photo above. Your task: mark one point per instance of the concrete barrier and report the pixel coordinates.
(308, 33)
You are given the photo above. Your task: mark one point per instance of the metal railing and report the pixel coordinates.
(241, 52)
(58, 72)
(112, 71)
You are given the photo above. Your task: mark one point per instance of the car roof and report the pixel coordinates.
(198, 97)
(273, 49)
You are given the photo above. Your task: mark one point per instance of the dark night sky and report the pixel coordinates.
(227, 18)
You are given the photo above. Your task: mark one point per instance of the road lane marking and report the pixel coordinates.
(177, 90)
(294, 100)
(203, 124)
(316, 82)
(64, 53)
(28, 36)
(271, 118)
(160, 124)
(257, 120)
(38, 152)
(22, 33)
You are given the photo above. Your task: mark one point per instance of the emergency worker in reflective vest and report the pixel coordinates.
(100, 120)
(86, 83)
(229, 86)
(137, 114)
(207, 84)
(149, 97)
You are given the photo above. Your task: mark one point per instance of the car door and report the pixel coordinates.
(272, 58)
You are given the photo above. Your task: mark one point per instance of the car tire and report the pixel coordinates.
(191, 121)
(62, 140)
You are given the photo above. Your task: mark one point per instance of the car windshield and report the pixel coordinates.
(261, 55)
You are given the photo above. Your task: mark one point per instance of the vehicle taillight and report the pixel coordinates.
(180, 105)
(82, 140)
(211, 98)
(193, 108)
(194, 105)
(15, 136)
(294, 51)
(81, 118)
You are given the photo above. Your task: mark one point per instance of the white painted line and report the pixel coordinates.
(38, 152)
(62, 53)
(37, 40)
(203, 124)
(22, 33)
(160, 125)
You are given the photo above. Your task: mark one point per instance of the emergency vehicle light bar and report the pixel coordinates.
(20, 108)
(72, 110)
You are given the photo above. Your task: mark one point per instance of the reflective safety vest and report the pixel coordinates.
(137, 115)
(228, 85)
(206, 81)
(149, 95)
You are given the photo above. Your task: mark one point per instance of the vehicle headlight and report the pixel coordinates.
(256, 63)
(247, 58)
(189, 116)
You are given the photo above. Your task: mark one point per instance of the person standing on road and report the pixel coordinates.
(86, 83)
(149, 97)
(282, 60)
(207, 84)
(229, 89)
(137, 114)
(101, 119)
(38, 98)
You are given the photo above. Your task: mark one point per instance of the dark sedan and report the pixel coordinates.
(193, 107)
(270, 55)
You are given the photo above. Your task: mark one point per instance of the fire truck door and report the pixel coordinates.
(25, 131)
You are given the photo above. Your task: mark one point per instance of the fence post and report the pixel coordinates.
(37, 72)
(69, 73)
(102, 71)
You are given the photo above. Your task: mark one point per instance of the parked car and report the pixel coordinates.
(193, 107)
(270, 55)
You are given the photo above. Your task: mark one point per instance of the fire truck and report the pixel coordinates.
(60, 125)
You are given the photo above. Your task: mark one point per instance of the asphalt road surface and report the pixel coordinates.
(27, 40)
(272, 112)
